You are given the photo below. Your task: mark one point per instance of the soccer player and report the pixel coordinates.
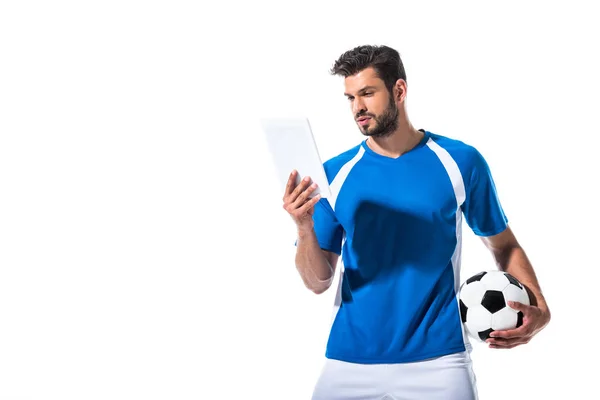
(395, 215)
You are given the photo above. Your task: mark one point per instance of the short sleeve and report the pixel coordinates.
(328, 230)
(482, 209)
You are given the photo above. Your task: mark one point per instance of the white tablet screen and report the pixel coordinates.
(292, 146)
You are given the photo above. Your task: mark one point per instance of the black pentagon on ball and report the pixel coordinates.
(463, 312)
(493, 301)
(484, 335)
(513, 280)
(477, 277)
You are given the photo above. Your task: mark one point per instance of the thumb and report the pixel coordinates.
(517, 305)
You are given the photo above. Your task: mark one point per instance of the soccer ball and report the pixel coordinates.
(483, 303)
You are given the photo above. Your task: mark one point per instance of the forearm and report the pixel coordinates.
(515, 261)
(315, 270)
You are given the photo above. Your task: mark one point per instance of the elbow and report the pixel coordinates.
(314, 283)
(319, 289)
(316, 286)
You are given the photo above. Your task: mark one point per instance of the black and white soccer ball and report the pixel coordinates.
(483, 303)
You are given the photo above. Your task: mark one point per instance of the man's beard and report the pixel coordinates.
(386, 123)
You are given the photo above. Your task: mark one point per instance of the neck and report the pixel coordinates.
(401, 141)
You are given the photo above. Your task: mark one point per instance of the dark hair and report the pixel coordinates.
(385, 60)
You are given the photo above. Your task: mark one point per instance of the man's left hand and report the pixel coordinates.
(534, 320)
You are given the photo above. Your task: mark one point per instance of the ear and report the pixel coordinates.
(400, 90)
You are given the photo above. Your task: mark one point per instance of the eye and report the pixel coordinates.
(350, 98)
(369, 94)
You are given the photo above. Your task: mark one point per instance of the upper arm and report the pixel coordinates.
(327, 228)
(329, 232)
(501, 243)
(502, 240)
(482, 209)
(332, 259)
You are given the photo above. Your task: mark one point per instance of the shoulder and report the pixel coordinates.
(466, 156)
(333, 165)
(455, 146)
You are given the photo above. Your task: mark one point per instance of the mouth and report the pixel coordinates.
(363, 120)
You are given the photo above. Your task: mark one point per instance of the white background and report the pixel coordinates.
(144, 252)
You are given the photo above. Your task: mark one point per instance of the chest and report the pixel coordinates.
(413, 193)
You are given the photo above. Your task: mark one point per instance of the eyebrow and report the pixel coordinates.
(362, 90)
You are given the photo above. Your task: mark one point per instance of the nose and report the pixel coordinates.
(358, 107)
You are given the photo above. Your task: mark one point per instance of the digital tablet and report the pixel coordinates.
(293, 147)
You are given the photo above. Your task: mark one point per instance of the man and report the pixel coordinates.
(398, 199)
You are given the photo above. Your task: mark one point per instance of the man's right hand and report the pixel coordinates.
(297, 203)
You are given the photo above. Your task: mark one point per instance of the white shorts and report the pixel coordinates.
(448, 377)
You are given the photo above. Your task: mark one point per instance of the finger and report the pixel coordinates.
(309, 204)
(510, 333)
(289, 187)
(519, 306)
(493, 346)
(290, 200)
(298, 190)
(507, 343)
(299, 202)
(301, 186)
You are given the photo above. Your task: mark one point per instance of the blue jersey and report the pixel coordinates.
(396, 222)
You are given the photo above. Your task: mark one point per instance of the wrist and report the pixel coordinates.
(305, 230)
